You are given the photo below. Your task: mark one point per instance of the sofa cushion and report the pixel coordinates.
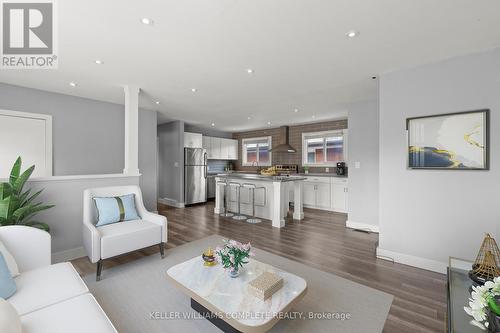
(7, 284)
(45, 286)
(119, 238)
(115, 209)
(9, 259)
(80, 314)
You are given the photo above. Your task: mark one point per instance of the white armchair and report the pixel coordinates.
(118, 238)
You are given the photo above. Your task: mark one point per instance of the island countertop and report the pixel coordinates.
(253, 176)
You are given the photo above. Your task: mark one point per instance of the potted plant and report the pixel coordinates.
(233, 255)
(17, 207)
(484, 305)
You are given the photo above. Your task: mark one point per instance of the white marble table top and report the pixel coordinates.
(230, 295)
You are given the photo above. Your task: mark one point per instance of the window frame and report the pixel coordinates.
(323, 134)
(244, 141)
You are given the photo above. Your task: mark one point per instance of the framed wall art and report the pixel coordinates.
(452, 141)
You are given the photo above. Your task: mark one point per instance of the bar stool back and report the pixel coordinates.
(252, 188)
(226, 195)
(238, 216)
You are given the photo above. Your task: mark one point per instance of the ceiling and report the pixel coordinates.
(298, 50)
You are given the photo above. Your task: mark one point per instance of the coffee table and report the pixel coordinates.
(225, 301)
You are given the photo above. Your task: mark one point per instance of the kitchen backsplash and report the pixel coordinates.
(295, 140)
(217, 165)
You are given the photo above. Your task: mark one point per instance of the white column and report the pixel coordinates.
(277, 216)
(298, 209)
(131, 130)
(219, 197)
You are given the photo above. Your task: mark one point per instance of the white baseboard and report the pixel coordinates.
(362, 226)
(428, 264)
(171, 202)
(68, 255)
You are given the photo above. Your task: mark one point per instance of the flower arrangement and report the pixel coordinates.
(233, 255)
(483, 301)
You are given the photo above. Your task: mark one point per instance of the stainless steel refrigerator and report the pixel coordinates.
(195, 175)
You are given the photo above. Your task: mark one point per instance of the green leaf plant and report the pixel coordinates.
(18, 207)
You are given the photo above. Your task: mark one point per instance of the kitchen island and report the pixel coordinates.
(271, 199)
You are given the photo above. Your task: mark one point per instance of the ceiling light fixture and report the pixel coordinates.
(296, 110)
(194, 90)
(269, 123)
(249, 118)
(157, 102)
(99, 62)
(313, 116)
(213, 124)
(146, 21)
(73, 84)
(249, 71)
(352, 34)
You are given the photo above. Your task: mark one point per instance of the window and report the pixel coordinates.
(324, 148)
(255, 151)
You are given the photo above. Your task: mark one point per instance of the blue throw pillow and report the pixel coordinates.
(7, 283)
(115, 209)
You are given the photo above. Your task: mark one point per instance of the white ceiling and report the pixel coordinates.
(297, 48)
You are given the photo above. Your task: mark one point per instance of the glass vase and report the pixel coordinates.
(234, 272)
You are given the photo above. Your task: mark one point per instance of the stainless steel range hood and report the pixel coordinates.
(284, 146)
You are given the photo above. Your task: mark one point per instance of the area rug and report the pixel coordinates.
(138, 298)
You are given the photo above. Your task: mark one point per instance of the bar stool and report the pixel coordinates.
(226, 195)
(253, 187)
(238, 188)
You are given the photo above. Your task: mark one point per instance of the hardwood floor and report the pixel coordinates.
(321, 241)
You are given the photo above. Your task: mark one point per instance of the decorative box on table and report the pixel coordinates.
(265, 285)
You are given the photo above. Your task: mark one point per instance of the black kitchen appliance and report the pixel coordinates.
(341, 169)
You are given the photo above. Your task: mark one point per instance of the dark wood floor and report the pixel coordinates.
(321, 241)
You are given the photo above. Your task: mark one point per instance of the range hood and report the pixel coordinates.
(284, 146)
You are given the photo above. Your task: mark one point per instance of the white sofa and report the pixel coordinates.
(118, 238)
(49, 298)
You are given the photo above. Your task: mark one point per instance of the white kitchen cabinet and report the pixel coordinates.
(309, 194)
(339, 195)
(233, 150)
(220, 148)
(193, 140)
(323, 192)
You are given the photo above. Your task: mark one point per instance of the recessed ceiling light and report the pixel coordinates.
(295, 110)
(146, 21)
(213, 124)
(249, 71)
(157, 102)
(269, 123)
(99, 62)
(352, 34)
(249, 118)
(73, 84)
(313, 116)
(194, 90)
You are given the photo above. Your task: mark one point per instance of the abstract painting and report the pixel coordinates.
(454, 141)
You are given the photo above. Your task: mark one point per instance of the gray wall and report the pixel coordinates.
(171, 161)
(363, 148)
(207, 131)
(88, 135)
(427, 215)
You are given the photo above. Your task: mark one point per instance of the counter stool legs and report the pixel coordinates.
(238, 216)
(226, 194)
(252, 188)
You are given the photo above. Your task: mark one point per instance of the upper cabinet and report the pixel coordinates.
(220, 148)
(193, 140)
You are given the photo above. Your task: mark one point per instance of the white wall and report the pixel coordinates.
(428, 215)
(171, 163)
(363, 182)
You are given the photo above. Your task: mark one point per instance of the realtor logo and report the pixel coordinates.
(28, 35)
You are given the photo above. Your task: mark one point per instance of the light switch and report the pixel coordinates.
(357, 165)
(327, 169)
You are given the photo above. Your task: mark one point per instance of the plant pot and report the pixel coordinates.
(494, 322)
(234, 272)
